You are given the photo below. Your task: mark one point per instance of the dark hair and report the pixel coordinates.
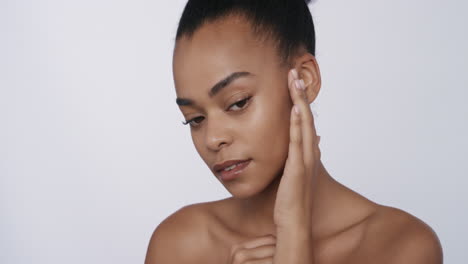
(288, 22)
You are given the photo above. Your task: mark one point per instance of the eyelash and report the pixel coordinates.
(246, 100)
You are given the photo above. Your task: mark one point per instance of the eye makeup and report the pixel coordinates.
(241, 104)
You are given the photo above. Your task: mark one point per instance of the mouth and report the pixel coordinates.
(233, 171)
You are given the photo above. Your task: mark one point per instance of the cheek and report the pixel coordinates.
(200, 147)
(270, 132)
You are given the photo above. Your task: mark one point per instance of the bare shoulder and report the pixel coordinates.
(399, 237)
(183, 237)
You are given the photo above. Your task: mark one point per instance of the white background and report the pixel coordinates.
(93, 155)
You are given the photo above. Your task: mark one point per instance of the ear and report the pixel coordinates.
(308, 69)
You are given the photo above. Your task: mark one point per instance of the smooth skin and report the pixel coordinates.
(285, 192)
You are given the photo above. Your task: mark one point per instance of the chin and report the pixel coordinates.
(242, 194)
(248, 189)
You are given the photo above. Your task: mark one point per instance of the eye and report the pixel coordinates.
(241, 103)
(192, 121)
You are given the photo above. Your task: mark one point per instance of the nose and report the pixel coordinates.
(217, 135)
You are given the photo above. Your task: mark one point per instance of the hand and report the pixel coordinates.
(293, 204)
(259, 250)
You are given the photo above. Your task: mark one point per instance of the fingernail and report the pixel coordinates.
(299, 84)
(294, 73)
(302, 84)
(296, 84)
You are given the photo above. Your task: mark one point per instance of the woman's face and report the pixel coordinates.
(248, 118)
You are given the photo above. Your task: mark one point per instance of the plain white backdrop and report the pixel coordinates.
(93, 155)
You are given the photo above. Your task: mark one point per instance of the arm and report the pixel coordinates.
(294, 246)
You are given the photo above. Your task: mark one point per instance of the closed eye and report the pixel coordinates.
(241, 104)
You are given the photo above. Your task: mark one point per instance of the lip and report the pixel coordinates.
(218, 167)
(234, 173)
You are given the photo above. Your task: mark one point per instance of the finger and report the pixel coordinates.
(293, 82)
(295, 161)
(318, 154)
(243, 251)
(256, 242)
(261, 241)
(268, 260)
(309, 134)
(245, 255)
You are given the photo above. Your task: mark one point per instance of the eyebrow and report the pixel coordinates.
(216, 88)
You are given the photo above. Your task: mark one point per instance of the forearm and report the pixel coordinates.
(294, 246)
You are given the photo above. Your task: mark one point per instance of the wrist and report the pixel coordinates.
(297, 219)
(294, 245)
(302, 232)
(295, 224)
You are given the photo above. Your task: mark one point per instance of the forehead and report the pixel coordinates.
(219, 48)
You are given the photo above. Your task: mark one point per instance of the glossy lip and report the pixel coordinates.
(226, 176)
(218, 167)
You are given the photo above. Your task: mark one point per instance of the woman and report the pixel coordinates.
(245, 73)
